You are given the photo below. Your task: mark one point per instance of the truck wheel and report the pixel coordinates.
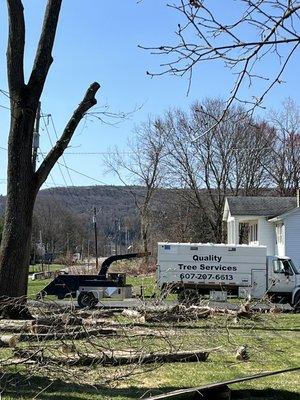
(188, 296)
(86, 300)
(297, 302)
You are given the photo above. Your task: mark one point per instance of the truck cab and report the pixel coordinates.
(283, 279)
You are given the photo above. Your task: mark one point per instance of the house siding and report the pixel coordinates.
(292, 236)
(266, 235)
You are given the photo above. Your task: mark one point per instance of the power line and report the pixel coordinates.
(85, 175)
(104, 153)
(6, 108)
(60, 170)
(5, 92)
(52, 194)
(72, 169)
(63, 158)
(65, 165)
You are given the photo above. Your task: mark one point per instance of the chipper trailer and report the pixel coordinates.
(195, 269)
(89, 289)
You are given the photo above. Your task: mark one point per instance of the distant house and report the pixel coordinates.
(270, 221)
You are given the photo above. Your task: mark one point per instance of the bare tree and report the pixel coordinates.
(256, 31)
(23, 181)
(61, 228)
(226, 160)
(284, 165)
(142, 166)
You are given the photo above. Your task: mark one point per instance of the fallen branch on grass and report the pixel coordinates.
(68, 335)
(115, 358)
(8, 340)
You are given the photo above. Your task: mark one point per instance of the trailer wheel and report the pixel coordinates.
(188, 296)
(40, 295)
(86, 300)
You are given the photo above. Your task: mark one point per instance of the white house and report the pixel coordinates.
(270, 221)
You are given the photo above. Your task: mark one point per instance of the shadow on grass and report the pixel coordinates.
(268, 394)
(18, 386)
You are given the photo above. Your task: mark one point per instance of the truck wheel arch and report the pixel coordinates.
(296, 298)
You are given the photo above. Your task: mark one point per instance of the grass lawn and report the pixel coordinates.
(46, 267)
(269, 349)
(36, 286)
(272, 341)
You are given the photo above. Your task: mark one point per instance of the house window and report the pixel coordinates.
(243, 233)
(252, 233)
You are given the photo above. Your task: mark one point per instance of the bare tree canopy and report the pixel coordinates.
(284, 164)
(256, 31)
(228, 160)
(143, 165)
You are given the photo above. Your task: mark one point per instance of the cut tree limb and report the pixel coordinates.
(68, 335)
(117, 358)
(8, 341)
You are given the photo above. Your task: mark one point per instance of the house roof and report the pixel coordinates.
(261, 206)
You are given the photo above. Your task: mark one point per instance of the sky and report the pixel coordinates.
(97, 40)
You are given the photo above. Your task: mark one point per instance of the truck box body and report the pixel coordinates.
(212, 266)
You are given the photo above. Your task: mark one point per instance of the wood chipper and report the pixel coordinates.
(89, 289)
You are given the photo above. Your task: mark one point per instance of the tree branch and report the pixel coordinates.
(60, 146)
(15, 47)
(43, 58)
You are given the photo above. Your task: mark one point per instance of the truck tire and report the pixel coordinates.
(188, 296)
(296, 304)
(86, 300)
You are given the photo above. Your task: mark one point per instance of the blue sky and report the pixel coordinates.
(97, 40)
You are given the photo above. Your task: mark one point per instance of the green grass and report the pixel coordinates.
(270, 344)
(272, 340)
(47, 267)
(36, 286)
(147, 283)
(269, 350)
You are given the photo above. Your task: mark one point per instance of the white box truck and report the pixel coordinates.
(193, 269)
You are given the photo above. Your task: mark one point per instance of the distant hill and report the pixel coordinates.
(81, 199)
(64, 215)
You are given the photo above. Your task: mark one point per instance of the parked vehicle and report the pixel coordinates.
(195, 269)
(89, 289)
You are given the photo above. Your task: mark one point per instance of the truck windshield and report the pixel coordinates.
(294, 267)
(285, 266)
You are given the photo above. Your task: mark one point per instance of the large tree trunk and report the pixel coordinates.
(21, 193)
(23, 181)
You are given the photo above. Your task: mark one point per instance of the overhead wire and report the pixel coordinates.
(78, 197)
(43, 116)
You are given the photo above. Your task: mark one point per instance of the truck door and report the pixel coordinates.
(281, 278)
(258, 283)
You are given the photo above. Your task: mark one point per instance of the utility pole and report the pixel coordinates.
(36, 136)
(96, 237)
(68, 246)
(126, 238)
(88, 251)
